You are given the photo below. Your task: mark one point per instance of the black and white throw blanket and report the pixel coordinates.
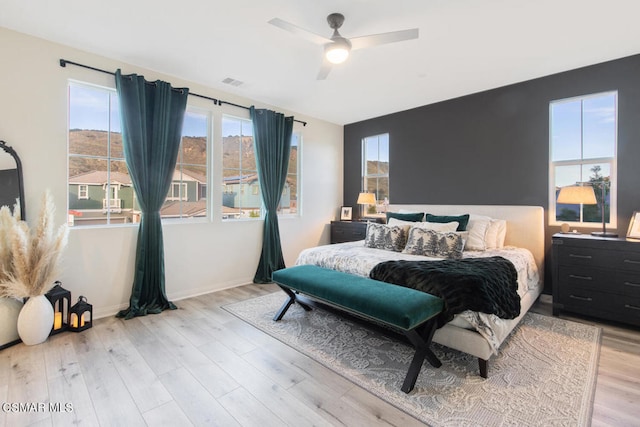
(485, 285)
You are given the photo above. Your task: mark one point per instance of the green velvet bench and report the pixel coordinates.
(408, 310)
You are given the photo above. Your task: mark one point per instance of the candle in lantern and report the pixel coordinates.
(74, 320)
(57, 321)
(82, 320)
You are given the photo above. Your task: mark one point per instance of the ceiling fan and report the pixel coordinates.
(337, 48)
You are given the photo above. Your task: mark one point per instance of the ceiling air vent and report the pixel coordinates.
(232, 82)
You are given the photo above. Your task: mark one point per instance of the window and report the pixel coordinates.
(241, 194)
(100, 188)
(83, 191)
(375, 168)
(177, 191)
(239, 170)
(291, 190)
(185, 197)
(583, 145)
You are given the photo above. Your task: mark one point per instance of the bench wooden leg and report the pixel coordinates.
(288, 303)
(421, 341)
(484, 367)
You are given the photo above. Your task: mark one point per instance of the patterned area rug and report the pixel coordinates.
(545, 373)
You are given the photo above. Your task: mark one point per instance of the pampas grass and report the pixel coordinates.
(29, 258)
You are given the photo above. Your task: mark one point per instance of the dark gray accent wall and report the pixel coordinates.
(492, 147)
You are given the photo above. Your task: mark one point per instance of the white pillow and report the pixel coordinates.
(477, 228)
(496, 233)
(396, 221)
(436, 226)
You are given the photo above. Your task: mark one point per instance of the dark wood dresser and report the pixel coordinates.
(598, 277)
(347, 231)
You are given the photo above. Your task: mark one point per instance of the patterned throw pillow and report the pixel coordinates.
(381, 236)
(434, 244)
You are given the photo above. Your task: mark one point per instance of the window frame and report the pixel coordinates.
(254, 189)
(83, 192)
(183, 195)
(365, 176)
(182, 192)
(582, 162)
(298, 135)
(227, 187)
(108, 159)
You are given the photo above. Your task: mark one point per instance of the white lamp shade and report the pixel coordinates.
(366, 199)
(338, 50)
(576, 195)
(337, 55)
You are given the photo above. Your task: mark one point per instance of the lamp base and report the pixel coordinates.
(604, 234)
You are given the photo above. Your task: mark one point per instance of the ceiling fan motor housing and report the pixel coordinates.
(335, 20)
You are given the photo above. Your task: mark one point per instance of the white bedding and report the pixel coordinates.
(355, 258)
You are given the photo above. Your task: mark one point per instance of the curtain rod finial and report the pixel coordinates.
(63, 63)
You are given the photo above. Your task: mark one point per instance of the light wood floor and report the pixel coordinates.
(200, 365)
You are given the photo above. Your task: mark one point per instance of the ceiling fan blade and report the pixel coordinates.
(324, 70)
(378, 39)
(308, 35)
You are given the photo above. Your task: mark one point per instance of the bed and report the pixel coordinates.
(478, 334)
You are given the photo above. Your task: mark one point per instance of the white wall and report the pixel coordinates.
(200, 257)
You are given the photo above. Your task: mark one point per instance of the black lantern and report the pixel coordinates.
(80, 315)
(60, 299)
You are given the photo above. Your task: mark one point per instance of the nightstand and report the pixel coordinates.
(598, 277)
(347, 231)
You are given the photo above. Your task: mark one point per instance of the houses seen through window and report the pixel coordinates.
(100, 188)
(241, 194)
(583, 142)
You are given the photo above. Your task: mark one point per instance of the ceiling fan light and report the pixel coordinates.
(337, 54)
(338, 50)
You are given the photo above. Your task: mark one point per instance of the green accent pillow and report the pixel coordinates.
(413, 217)
(462, 220)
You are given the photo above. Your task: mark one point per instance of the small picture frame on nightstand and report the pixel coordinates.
(634, 226)
(345, 213)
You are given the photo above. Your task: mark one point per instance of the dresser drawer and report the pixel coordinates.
(585, 257)
(629, 309)
(627, 283)
(586, 300)
(348, 231)
(629, 261)
(584, 277)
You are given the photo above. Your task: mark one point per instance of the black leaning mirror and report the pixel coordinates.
(11, 185)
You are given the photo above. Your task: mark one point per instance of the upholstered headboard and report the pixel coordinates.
(525, 224)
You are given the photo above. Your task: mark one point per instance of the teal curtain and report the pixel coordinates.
(272, 145)
(151, 115)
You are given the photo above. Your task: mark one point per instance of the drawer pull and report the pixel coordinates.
(630, 261)
(573, 276)
(632, 307)
(635, 285)
(581, 298)
(581, 256)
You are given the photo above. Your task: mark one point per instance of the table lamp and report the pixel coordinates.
(365, 199)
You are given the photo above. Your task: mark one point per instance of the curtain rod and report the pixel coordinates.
(64, 62)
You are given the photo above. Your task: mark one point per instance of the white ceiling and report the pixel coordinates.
(465, 46)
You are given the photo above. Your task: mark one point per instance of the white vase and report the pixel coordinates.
(35, 320)
(9, 311)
